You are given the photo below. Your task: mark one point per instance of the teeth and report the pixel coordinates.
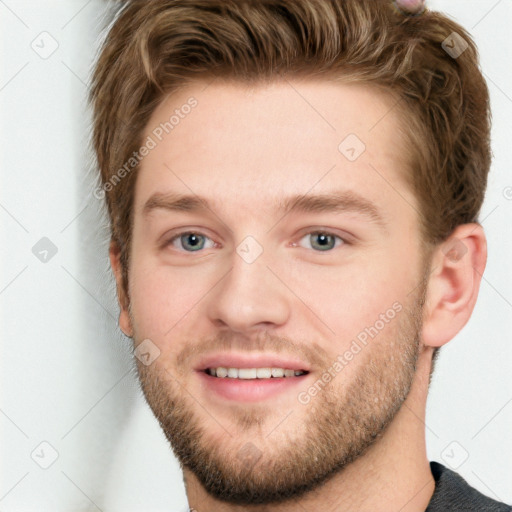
(253, 373)
(220, 372)
(264, 373)
(277, 372)
(247, 373)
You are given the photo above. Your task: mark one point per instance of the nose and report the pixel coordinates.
(249, 297)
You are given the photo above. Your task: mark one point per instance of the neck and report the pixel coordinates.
(393, 474)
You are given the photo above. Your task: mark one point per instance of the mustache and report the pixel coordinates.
(228, 341)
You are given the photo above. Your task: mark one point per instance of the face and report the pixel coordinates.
(275, 239)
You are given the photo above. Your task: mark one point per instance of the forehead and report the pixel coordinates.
(255, 143)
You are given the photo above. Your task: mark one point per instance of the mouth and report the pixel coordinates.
(222, 372)
(250, 377)
(247, 387)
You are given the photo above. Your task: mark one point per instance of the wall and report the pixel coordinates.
(67, 375)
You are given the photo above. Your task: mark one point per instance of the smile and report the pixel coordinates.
(253, 373)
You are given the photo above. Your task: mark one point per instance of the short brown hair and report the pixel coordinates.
(155, 46)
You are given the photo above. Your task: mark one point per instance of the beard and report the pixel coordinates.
(337, 427)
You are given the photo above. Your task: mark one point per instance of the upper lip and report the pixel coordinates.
(233, 360)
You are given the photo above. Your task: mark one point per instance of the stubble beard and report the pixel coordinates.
(339, 425)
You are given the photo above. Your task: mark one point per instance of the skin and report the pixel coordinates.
(361, 439)
(411, 6)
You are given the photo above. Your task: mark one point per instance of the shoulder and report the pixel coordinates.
(453, 493)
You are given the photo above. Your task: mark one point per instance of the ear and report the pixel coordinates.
(115, 262)
(456, 271)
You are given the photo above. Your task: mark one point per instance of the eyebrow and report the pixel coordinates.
(334, 202)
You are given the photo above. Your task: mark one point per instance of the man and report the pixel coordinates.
(293, 188)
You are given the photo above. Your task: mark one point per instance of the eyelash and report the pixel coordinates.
(344, 241)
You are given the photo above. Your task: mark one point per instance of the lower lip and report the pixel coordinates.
(250, 390)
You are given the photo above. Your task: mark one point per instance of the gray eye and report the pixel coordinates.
(192, 241)
(321, 241)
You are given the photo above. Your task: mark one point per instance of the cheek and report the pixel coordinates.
(162, 297)
(353, 303)
(352, 297)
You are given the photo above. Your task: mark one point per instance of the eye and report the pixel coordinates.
(321, 241)
(191, 242)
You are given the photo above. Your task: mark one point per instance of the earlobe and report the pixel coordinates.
(115, 262)
(456, 272)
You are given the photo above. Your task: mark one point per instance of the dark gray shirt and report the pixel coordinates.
(453, 494)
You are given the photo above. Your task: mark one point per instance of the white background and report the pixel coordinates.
(66, 369)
